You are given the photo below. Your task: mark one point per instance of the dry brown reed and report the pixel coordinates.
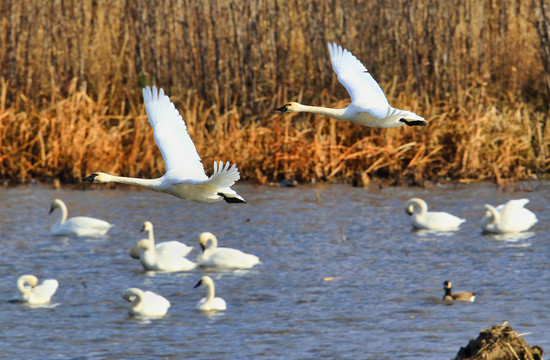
(72, 72)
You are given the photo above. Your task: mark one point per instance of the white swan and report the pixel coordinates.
(421, 218)
(210, 302)
(146, 303)
(508, 218)
(369, 106)
(161, 261)
(173, 247)
(81, 226)
(220, 257)
(36, 294)
(185, 177)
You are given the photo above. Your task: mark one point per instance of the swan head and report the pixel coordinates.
(205, 280)
(290, 107)
(55, 204)
(204, 238)
(131, 294)
(447, 285)
(147, 226)
(409, 209)
(97, 177)
(31, 280)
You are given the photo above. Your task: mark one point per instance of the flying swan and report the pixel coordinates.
(369, 106)
(80, 226)
(210, 302)
(36, 294)
(173, 247)
(511, 217)
(146, 303)
(185, 177)
(221, 257)
(421, 218)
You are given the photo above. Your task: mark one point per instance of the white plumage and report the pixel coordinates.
(511, 217)
(210, 302)
(421, 218)
(185, 177)
(172, 247)
(369, 106)
(81, 226)
(146, 303)
(35, 294)
(221, 257)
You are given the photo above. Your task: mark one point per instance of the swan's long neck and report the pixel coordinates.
(64, 213)
(494, 214)
(150, 235)
(152, 184)
(210, 293)
(421, 205)
(137, 303)
(21, 284)
(335, 113)
(212, 246)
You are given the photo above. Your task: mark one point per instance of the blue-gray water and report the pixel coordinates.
(383, 300)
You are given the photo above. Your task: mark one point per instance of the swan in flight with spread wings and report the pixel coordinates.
(369, 106)
(511, 217)
(185, 177)
(173, 247)
(36, 294)
(80, 226)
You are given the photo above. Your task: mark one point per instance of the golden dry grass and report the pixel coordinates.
(72, 72)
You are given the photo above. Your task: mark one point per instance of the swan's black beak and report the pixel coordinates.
(202, 247)
(90, 178)
(198, 284)
(52, 208)
(142, 228)
(283, 108)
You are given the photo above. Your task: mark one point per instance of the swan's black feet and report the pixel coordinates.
(413, 122)
(231, 200)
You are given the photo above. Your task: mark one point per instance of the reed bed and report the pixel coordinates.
(71, 74)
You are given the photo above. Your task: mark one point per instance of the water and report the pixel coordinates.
(383, 300)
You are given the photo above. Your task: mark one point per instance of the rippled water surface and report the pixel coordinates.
(341, 277)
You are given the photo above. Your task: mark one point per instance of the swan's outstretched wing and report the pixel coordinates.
(224, 177)
(355, 77)
(178, 150)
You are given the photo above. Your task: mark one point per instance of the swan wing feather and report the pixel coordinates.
(357, 80)
(178, 150)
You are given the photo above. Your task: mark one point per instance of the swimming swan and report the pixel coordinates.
(210, 302)
(164, 261)
(81, 226)
(369, 106)
(508, 218)
(185, 177)
(36, 294)
(174, 247)
(461, 295)
(221, 257)
(146, 303)
(421, 218)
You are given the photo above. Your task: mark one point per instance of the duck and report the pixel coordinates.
(210, 302)
(369, 105)
(79, 226)
(145, 303)
(421, 218)
(511, 217)
(164, 261)
(185, 177)
(221, 257)
(460, 296)
(36, 294)
(174, 247)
